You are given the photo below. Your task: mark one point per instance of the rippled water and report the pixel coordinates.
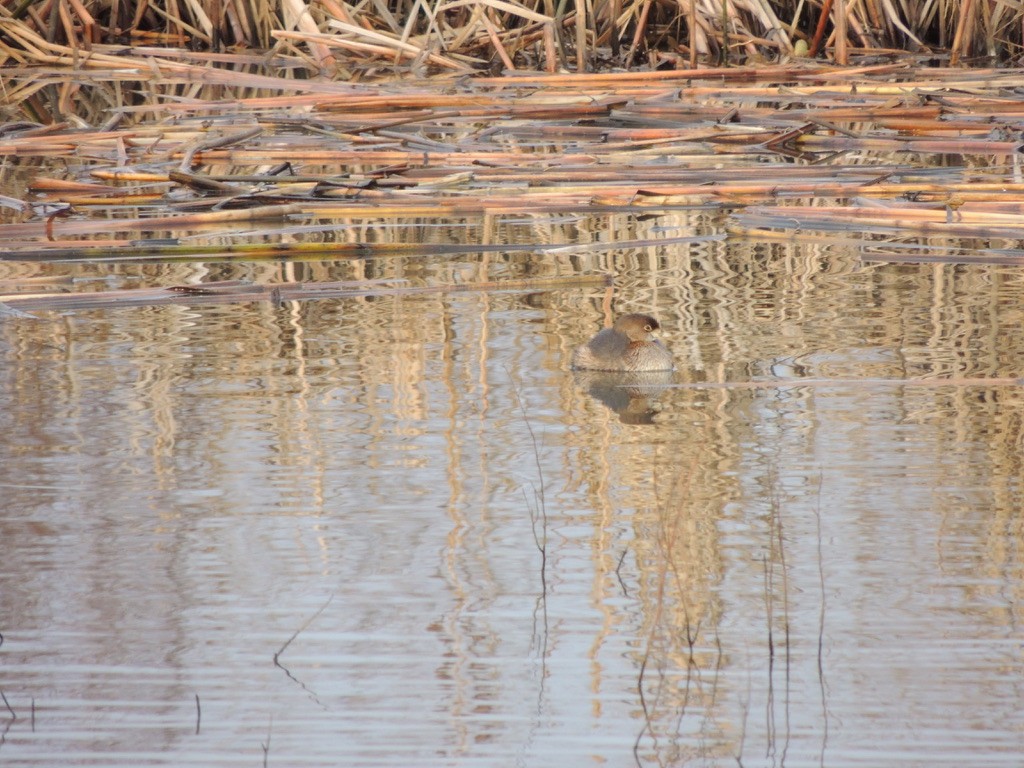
(312, 533)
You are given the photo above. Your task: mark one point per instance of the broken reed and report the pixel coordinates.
(354, 40)
(498, 149)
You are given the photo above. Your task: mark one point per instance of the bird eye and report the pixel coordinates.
(648, 328)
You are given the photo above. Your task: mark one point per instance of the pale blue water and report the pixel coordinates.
(816, 561)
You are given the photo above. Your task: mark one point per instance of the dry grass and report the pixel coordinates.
(799, 149)
(355, 40)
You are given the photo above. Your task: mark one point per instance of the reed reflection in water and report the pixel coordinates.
(801, 549)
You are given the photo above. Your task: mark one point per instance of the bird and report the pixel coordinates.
(628, 346)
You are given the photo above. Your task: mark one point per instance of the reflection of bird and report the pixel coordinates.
(626, 346)
(633, 396)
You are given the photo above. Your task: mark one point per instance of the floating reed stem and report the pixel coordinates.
(316, 155)
(236, 291)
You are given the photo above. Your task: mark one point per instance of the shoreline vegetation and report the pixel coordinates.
(161, 135)
(181, 166)
(356, 41)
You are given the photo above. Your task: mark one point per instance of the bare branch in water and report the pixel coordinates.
(281, 650)
(7, 704)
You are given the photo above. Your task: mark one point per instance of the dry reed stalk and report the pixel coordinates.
(65, 186)
(964, 28)
(879, 217)
(50, 230)
(907, 222)
(494, 37)
(13, 282)
(144, 67)
(85, 201)
(298, 16)
(959, 258)
(493, 30)
(499, 147)
(375, 43)
(142, 177)
(929, 383)
(230, 292)
(815, 143)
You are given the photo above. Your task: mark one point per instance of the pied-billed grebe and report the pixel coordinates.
(626, 346)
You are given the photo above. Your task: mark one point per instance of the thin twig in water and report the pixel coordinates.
(299, 631)
(643, 706)
(769, 713)
(618, 572)
(539, 509)
(655, 621)
(691, 637)
(745, 708)
(199, 713)
(265, 745)
(295, 634)
(7, 704)
(821, 629)
(769, 609)
(540, 538)
(777, 518)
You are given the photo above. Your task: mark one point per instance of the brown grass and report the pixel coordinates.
(343, 40)
(201, 172)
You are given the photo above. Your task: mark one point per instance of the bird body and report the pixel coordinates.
(627, 346)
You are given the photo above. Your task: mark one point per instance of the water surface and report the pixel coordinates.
(396, 530)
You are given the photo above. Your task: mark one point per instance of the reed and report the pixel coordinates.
(259, 172)
(346, 40)
(236, 291)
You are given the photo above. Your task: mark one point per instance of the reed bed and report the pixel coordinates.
(359, 39)
(888, 148)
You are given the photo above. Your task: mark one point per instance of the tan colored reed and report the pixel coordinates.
(349, 40)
